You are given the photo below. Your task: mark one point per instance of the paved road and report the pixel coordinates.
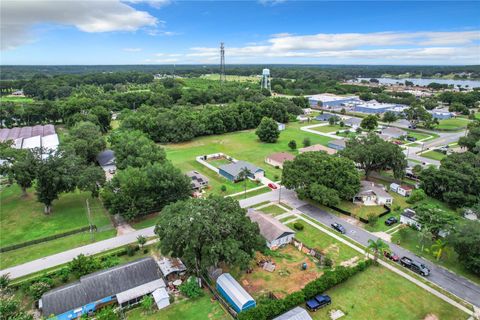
(67, 256)
(447, 280)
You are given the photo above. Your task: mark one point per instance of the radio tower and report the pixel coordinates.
(222, 63)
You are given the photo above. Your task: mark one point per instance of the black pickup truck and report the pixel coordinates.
(415, 266)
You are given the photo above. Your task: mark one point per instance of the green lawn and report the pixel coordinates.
(191, 309)
(273, 209)
(452, 124)
(16, 99)
(420, 135)
(242, 145)
(252, 193)
(435, 155)
(37, 251)
(317, 239)
(412, 242)
(328, 128)
(359, 210)
(22, 219)
(378, 293)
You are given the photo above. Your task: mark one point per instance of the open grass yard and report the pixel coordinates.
(328, 245)
(219, 162)
(252, 193)
(412, 241)
(328, 128)
(378, 293)
(435, 155)
(273, 209)
(37, 251)
(16, 99)
(204, 308)
(359, 210)
(348, 134)
(22, 219)
(243, 145)
(288, 276)
(452, 124)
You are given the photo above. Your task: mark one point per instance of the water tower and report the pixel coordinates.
(266, 79)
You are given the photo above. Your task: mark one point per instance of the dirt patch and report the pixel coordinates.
(350, 262)
(430, 317)
(288, 276)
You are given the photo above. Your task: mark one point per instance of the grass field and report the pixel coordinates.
(452, 124)
(191, 309)
(272, 209)
(378, 293)
(216, 77)
(19, 256)
(16, 99)
(243, 145)
(315, 238)
(22, 219)
(328, 128)
(359, 210)
(435, 155)
(252, 193)
(412, 242)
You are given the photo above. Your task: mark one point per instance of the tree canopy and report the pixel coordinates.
(466, 243)
(134, 192)
(321, 177)
(372, 153)
(472, 140)
(268, 131)
(207, 232)
(369, 123)
(457, 181)
(86, 141)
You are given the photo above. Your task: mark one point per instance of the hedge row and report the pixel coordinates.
(45, 239)
(269, 309)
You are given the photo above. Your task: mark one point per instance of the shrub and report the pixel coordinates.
(223, 188)
(416, 195)
(328, 262)
(4, 281)
(372, 219)
(131, 250)
(37, 289)
(64, 274)
(190, 288)
(298, 226)
(82, 265)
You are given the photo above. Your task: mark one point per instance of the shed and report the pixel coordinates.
(281, 126)
(234, 294)
(297, 313)
(161, 298)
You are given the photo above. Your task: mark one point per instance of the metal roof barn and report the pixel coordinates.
(234, 294)
(296, 313)
(32, 142)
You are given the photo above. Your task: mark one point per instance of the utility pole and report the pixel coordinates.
(222, 63)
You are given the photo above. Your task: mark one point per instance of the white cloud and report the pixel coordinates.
(132, 49)
(271, 2)
(153, 3)
(19, 16)
(393, 47)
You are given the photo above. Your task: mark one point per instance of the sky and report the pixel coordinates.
(63, 32)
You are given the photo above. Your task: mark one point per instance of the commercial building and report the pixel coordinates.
(373, 107)
(331, 101)
(234, 294)
(31, 137)
(124, 285)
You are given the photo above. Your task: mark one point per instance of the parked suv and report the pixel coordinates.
(338, 227)
(415, 266)
(318, 302)
(390, 221)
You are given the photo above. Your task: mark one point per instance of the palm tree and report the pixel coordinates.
(438, 248)
(244, 173)
(376, 247)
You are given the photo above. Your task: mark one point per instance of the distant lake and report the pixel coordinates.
(425, 82)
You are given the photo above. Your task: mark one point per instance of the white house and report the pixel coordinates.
(401, 190)
(371, 194)
(275, 233)
(408, 217)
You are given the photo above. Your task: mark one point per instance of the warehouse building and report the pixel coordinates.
(31, 137)
(374, 107)
(234, 294)
(327, 100)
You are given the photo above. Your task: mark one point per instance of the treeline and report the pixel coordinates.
(278, 70)
(183, 123)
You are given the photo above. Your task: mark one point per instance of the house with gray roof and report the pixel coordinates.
(106, 160)
(199, 181)
(232, 171)
(393, 132)
(275, 233)
(338, 144)
(354, 123)
(124, 285)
